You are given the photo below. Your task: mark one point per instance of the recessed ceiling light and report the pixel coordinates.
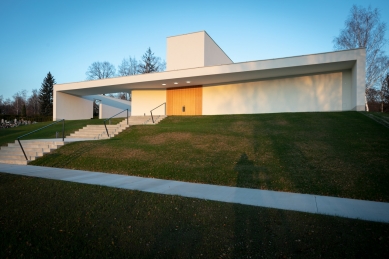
(175, 83)
(187, 82)
(163, 84)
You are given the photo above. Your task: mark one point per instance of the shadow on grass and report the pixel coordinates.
(247, 171)
(246, 232)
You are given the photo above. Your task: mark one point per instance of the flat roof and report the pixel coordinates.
(220, 74)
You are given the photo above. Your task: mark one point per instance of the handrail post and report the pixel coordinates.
(106, 128)
(24, 153)
(110, 120)
(63, 134)
(151, 112)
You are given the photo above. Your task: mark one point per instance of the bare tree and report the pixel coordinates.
(6, 106)
(128, 67)
(19, 101)
(1, 105)
(363, 29)
(373, 99)
(161, 64)
(33, 103)
(8, 109)
(122, 96)
(384, 94)
(100, 70)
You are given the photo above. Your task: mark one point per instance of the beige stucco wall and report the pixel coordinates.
(185, 51)
(358, 83)
(193, 50)
(213, 54)
(69, 107)
(348, 102)
(72, 107)
(320, 92)
(143, 101)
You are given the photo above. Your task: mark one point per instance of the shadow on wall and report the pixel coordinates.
(308, 93)
(111, 106)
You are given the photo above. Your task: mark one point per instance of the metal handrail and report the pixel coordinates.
(63, 134)
(151, 112)
(112, 117)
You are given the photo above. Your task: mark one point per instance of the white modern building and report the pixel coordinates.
(201, 79)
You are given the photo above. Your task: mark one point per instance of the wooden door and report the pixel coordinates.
(184, 101)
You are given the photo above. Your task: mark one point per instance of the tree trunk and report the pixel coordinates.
(366, 105)
(382, 100)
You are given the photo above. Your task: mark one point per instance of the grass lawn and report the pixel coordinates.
(42, 218)
(380, 117)
(342, 154)
(379, 114)
(11, 134)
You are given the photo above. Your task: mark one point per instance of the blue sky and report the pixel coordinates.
(65, 37)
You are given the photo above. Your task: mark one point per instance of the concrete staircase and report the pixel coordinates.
(99, 131)
(13, 154)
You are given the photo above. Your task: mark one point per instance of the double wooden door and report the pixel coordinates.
(184, 101)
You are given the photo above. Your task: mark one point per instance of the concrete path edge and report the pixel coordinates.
(332, 206)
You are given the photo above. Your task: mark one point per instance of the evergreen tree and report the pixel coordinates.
(149, 63)
(46, 95)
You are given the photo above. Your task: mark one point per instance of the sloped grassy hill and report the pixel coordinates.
(341, 154)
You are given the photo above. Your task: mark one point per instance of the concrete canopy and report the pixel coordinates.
(332, 81)
(236, 72)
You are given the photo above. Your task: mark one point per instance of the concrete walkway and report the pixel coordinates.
(349, 208)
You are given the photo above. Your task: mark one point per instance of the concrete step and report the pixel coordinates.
(40, 141)
(37, 143)
(13, 154)
(100, 131)
(87, 133)
(20, 152)
(101, 126)
(93, 129)
(93, 133)
(157, 119)
(31, 145)
(96, 131)
(87, 137)
(90, 136)
(14, 162)
(16, 157)
(28, 149)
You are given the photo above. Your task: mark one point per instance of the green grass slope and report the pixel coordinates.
(341, 154)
